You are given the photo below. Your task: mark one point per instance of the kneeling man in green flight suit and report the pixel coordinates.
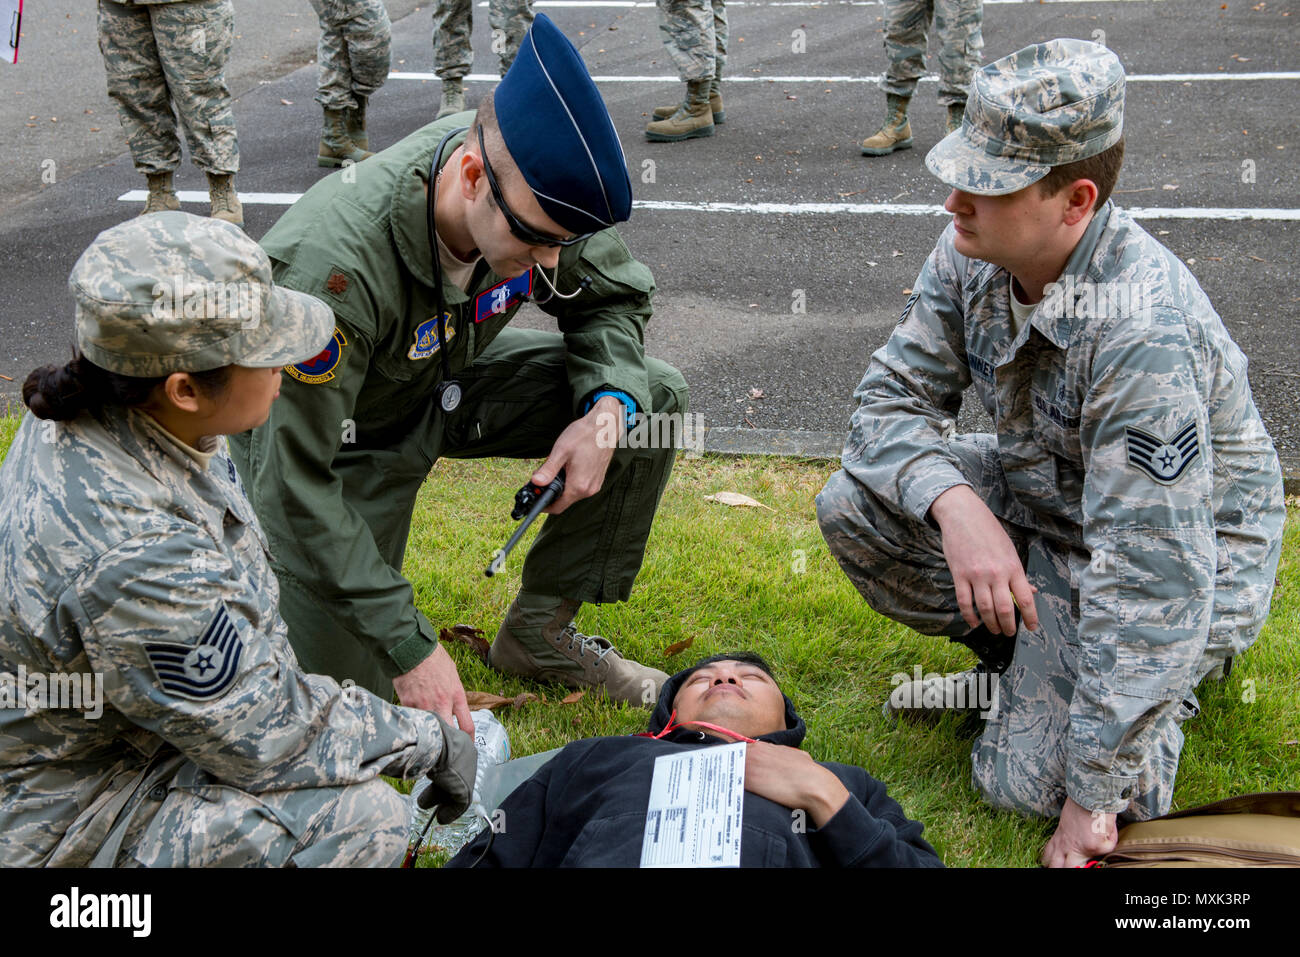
(469, 224)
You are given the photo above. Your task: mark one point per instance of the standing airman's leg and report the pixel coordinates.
(906, 22)
(354, 55)
(688, 34)
(136, 84)
(194, 41)
(510, 21)
(453, 53)
(958, 24)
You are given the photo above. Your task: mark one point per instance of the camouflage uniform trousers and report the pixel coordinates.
(164, 54)
(354, 52)
(453, 21)
(958, 25)
(193, 820)
(897, 563)
(696, 37)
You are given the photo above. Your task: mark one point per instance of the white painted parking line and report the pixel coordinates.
(198, 196)
(922, 209)
(787, 209)
(672, 78)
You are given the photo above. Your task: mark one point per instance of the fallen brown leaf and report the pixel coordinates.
(677, 647)
(572, 698)
(735, 498)
(485, 699)
(494, 702)
(467, 635)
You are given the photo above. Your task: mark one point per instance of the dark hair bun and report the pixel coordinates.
(56, 392)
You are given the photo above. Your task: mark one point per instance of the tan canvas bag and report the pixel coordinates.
(1253, 830)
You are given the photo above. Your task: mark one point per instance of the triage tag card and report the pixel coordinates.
(696, 806)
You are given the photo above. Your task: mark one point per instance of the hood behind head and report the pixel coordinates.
(792, 735)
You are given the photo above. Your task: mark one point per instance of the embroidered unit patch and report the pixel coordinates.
(321, 368)
(426, 337)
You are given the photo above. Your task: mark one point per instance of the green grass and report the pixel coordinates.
(732, 578)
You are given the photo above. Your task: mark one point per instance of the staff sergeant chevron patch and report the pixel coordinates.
(1165, 461)
(200, 672)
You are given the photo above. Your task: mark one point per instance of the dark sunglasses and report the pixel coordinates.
(520, 230)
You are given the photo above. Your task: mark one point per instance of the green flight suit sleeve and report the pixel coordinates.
(604, 325)
(316, 534)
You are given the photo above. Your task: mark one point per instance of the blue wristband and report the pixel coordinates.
(627, 400)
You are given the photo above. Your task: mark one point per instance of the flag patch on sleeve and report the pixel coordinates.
(1165, 460)
(201, 672)
(494, 301)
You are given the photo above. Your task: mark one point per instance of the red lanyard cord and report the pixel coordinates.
(673, 726)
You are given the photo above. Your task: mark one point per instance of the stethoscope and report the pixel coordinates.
(449, 392)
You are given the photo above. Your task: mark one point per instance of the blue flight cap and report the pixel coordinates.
(560, 135)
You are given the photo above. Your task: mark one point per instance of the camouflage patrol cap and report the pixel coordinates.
(171, 292)
(1046, 105)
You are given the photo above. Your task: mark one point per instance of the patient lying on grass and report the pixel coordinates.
(588, 806)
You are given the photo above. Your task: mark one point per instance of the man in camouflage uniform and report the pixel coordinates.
(352, 59)
(129, 555)
(958, 24)
(164, 53)
(1129, 506)
(453, 22)
(695, 33)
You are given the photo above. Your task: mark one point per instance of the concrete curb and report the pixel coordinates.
(799, 443)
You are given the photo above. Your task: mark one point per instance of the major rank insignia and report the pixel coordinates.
(1164, 460)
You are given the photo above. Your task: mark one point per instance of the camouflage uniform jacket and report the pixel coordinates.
(362, 247)
(121, 555)
(1128, 432)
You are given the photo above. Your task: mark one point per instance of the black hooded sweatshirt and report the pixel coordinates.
(587, 807)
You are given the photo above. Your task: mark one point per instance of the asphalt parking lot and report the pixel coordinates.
(777, 210)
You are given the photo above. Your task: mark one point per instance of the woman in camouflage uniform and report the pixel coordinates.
(151, 711)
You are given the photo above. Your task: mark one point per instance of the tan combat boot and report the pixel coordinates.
(538, 640)
(715, 105)
(225, 201)
(895, 134)
(693, 118)
(162, 196)
(955, 113)
(453, 98)
(356, 124)
(336, 146)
